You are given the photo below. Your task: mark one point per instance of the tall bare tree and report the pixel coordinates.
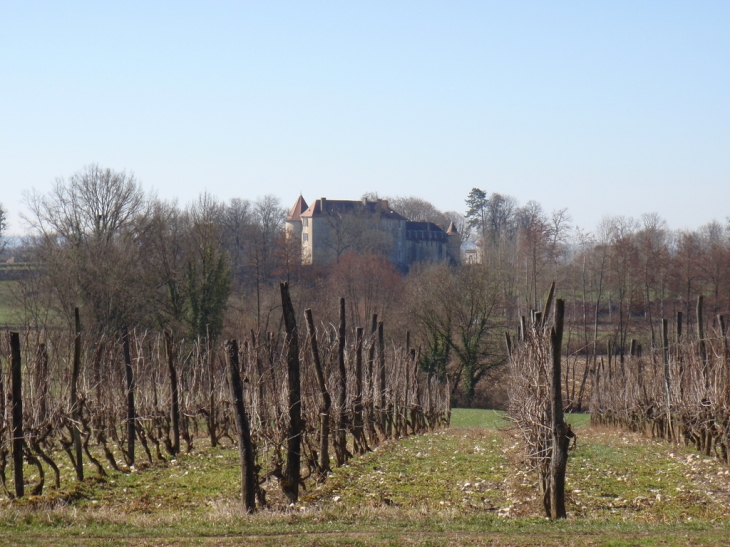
(84, 234)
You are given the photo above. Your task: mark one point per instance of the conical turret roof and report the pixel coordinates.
(451, 230)
(299, 207)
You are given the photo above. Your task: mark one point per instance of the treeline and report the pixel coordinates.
(618, 281)
(211, 270)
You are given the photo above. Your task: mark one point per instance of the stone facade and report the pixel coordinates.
(329, 228)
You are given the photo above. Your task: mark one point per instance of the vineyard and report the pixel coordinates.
(127, 403)
(177, 375)
(679, 392)
(141, 439)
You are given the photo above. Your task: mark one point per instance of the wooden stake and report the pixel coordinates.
(175, 410)
(341, 447)
(75, 410)
(667, 375)
(293, 461)
(131, 414)
(324, 455)
(18, 438)
(559, 458)
(702, 345)
(245, 446)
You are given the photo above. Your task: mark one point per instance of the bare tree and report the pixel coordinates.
(84, 232)
(417, 209)
(458, 319)
(94, 204)
(164, 235)
(269, 221)
(208, 273)
(238, 222)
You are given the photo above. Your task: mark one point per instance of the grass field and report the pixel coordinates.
(8, 312)
(464, 486)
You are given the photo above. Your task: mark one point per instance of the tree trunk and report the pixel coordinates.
(249, 482)
(293, 460)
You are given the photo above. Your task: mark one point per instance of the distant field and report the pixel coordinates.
(494, 419)
(8, 312)
(475, 417)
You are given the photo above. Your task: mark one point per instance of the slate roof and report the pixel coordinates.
(326, 206)
(425, 231)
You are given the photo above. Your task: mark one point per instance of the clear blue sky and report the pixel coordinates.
(601, 107)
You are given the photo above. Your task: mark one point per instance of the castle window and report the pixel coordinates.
(305, 236)
(305, 222)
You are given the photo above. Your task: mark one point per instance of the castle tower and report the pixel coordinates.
(294, 220)
(454, 245)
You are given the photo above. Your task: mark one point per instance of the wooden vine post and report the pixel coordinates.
(131, 415)
(357, 423)
(341, 446)
(702, 344)
(18, 439)
(667, 376)
(42, 381)
(725, 358)
(372, 419)
(384, 414)
(560, 439)
(324, 414)
(245, 446)
(406, 401)
(210, 359)
(293, 460)
(75, 410)
(175, 410)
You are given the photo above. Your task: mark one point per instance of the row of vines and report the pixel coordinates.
(679, 392)
(137, 399)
